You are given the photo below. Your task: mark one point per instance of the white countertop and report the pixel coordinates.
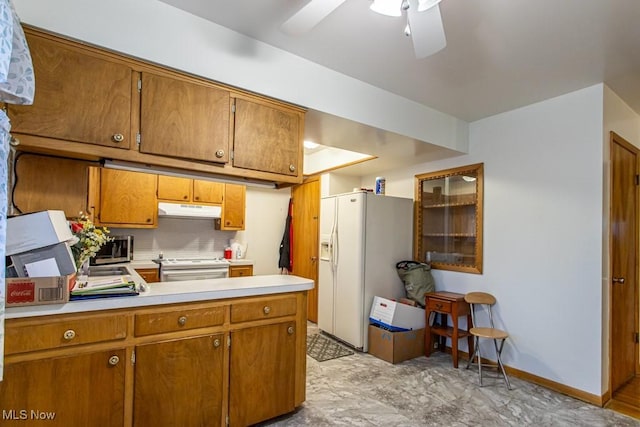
(175, 292)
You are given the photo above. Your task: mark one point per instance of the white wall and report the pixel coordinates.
(542, 232)
(266, 213)
(155, 31)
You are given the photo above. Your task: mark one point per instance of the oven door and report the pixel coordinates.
(178, 275)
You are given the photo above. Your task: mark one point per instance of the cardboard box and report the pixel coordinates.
(395, 347)
(22, 291)
(396, 316)
(54, 260)
(36, 230)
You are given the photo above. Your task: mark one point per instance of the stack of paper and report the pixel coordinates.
(113, 286)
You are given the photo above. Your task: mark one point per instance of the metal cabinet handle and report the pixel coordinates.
(114, 360)
(14, 142)
(220, 154)
(117, 137)
(69, 334)
(216, 343)
(182, 320)
(290, 330)
(292, 168)
(618, 280)
(266, 309)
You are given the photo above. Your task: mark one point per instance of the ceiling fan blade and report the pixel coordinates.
(309, 16)
(427, 31)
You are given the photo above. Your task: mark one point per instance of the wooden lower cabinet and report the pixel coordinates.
(76, 390)
(240, 270)
(261, 381)
(149, 275)
(235, 362)
(180, 382)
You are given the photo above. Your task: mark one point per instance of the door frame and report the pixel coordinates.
(617, 139)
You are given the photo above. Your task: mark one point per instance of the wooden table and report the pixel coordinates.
(447, 304)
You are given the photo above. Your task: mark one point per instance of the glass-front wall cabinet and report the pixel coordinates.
(449, 219)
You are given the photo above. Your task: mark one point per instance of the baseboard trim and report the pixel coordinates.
(544, 382)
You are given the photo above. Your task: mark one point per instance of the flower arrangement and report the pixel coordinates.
(89, 239)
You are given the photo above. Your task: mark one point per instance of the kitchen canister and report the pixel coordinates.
(380, 184)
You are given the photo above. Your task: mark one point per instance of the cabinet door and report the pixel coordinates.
(79, 97)
(262, 373)
(233, 209)
(35, 190)
(174, 188)
(207, 191)
(128, 198)
(84, 390)
(179, 383)
(266, 138)
(240, 270)
(179, 118)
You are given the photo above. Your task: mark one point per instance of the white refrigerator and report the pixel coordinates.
(362, 237)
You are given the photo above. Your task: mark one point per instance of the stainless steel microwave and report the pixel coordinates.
(118, 250)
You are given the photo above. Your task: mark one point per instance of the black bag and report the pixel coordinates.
(417, 279)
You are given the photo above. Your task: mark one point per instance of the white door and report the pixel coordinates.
(326, 281)
(350, 271)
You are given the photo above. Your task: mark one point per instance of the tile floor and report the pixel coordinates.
(361, 390)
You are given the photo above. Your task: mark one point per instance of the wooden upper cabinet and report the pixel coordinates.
(233, 208)
(207, 191)
(184, 119)
(189, 190)
(174, 188)
(125, 199)
(267, 138)
(80, 96)
(35, 190)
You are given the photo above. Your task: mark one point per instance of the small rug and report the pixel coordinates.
(322, 348)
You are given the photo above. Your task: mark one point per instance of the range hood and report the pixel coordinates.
(178, 210)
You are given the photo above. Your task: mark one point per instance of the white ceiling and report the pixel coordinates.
(500, 54)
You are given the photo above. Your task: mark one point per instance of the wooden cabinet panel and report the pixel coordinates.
(149, 275)
(264, 308)
(177, 320)
(22, 336)
(207, 191)
(174, 188)
(78, 390)
(267, 138)
(233, 208)
(35, 190)
(240, 270)
(128, 199)
(180, 383)
(180, 118)
(261, 387)
(80, 97)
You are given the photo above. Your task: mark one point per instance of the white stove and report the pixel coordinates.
(176, 269)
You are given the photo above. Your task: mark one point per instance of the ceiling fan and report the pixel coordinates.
(424, 23)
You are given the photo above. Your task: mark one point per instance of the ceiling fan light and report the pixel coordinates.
(426, 4)
(407, 29)
(387, 7)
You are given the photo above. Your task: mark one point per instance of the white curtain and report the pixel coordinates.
(17, 86)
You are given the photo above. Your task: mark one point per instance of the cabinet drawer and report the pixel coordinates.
(178, 320)
(263, 309)
(439, 305)
(22, 337)
(240, 270)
